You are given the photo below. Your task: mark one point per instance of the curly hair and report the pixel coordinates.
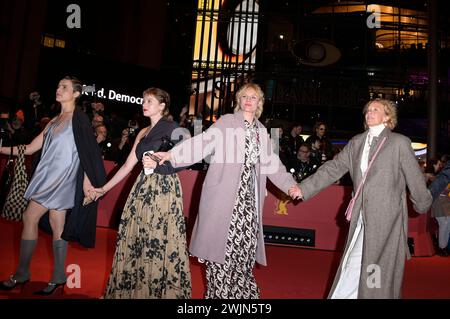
(390, 108)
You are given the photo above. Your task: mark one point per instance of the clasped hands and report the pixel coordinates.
(90, 195)
(295, 192)
(93, 194)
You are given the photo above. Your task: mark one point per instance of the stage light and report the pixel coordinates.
(60, 43)
(289, 236)
(49, 41)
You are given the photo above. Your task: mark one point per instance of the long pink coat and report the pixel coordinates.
(225, 142)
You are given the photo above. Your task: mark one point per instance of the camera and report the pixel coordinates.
(132, 127)
(35, 98)
(131, 130)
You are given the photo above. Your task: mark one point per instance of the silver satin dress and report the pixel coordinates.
(53, 183)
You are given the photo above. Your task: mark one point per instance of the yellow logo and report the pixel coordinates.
(281, 206)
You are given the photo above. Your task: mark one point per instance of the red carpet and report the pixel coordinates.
(291, 272)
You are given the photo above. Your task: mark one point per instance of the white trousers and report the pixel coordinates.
(347, 286)
(444, 230)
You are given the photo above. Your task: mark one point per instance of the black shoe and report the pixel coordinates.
(12, 283)
(50, 289)
(443, 252)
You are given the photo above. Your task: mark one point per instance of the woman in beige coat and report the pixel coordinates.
(374, 255)
(228, 231)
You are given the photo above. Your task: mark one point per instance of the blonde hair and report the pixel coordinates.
(258, 91)
(390, 108)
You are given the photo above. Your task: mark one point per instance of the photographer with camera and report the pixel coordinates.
(302, 165)
(103, 141)
(4, 131)
(12, 131)
(120, 147)
(35, 110)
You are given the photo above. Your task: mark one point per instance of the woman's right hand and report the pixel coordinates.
(164, 156)
(148, 162)
(295, 192)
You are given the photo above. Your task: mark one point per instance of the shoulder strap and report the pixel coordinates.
(368, 168)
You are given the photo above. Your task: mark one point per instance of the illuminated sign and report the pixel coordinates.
(111, 95)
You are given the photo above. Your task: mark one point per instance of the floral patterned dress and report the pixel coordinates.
(151, 259)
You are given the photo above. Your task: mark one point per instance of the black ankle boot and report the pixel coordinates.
(12, 283)
(50, 289)
(443, 252)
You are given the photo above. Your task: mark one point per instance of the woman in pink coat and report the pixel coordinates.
(228, 232)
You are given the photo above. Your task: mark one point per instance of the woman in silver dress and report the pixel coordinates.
(53, 186)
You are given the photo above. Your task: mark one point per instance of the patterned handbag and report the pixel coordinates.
(15, 203)
(6, 179)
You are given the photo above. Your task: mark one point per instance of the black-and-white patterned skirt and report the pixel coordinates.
(234, 279)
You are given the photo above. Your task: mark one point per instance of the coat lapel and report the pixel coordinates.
(359, 147)
(376, 141)
(239, 124)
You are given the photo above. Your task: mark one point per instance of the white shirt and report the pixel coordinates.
(374, 131)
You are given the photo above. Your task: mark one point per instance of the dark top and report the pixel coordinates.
(154, 140)
(301, 169)
(294, 143)
(441, 181)
(118, 155)
(325, 145)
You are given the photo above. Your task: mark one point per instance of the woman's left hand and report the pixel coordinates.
(295, 192)
(89, 195)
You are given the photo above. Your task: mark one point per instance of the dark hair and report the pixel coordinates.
(162, 97)
(313, 139)
(308, 146)
(76, 84)
(318, 124)
(429, 167)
